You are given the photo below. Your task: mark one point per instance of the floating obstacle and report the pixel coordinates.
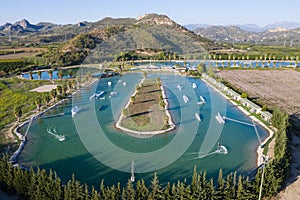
(113, 94)
(220, 119)
(185, 99)
(75, 110)
(256, 131)
(52, 131)
(132, 178)
(194, 85)
(197, 117)
(179, 87)
(202, 99)
(97, 95)
(55, 115)
(237, 121)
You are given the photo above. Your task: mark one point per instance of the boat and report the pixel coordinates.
(109, 83)
(185, 98)
(75, 110)
(61, 138)
(221, 149)
(220, 119)
(124, 83)
(100, 108)
(53, 132)
(194, 85)
(132, 178)
(197, 117)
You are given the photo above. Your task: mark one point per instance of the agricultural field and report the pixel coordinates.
(8, 53)
(271, 87)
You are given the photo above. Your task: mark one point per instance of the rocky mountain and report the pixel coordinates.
(147, 35)
(276, 35)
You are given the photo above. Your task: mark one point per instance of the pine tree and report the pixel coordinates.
(167, 194)
(220, 186)
(156, 191)
(128, 192)
(141, 190)
(95, 194)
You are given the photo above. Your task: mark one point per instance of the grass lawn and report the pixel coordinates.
(144, 112)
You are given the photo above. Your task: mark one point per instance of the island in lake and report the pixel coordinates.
(146, 112)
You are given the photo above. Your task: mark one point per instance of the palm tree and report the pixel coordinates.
(30, 75)
(38, 103)
(59, 89)
(69, 84)
(64, 89)
(47, 99)
(50, 73)
(53, 94)
(60, 74)
(70, 73)
(73, 84)
(18, 112)
(39, 73)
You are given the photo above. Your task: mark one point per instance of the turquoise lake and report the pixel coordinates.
(94, 149)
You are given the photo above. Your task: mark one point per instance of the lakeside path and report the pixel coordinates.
(171, 123)
(259, 150)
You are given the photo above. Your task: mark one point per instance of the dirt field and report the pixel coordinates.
(273, 87)
(20, 52)
(279, 88)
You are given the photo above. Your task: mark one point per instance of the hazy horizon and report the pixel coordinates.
(218, 12)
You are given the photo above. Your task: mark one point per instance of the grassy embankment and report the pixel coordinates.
(16, 92)
(145, 111)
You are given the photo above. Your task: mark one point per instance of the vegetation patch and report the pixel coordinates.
(146, 110)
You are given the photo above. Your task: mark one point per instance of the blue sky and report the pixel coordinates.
(215, 12)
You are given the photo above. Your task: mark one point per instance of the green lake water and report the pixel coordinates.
(94, 149)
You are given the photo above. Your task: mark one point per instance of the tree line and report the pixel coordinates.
(40, 184)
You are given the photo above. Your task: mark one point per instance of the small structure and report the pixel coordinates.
(234, 95)
(253, 107)
(266, 116)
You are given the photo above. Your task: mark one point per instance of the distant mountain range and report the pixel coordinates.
(283, 33)
(105, 40)
(250, 27)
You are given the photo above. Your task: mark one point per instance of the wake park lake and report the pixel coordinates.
(94, 149)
